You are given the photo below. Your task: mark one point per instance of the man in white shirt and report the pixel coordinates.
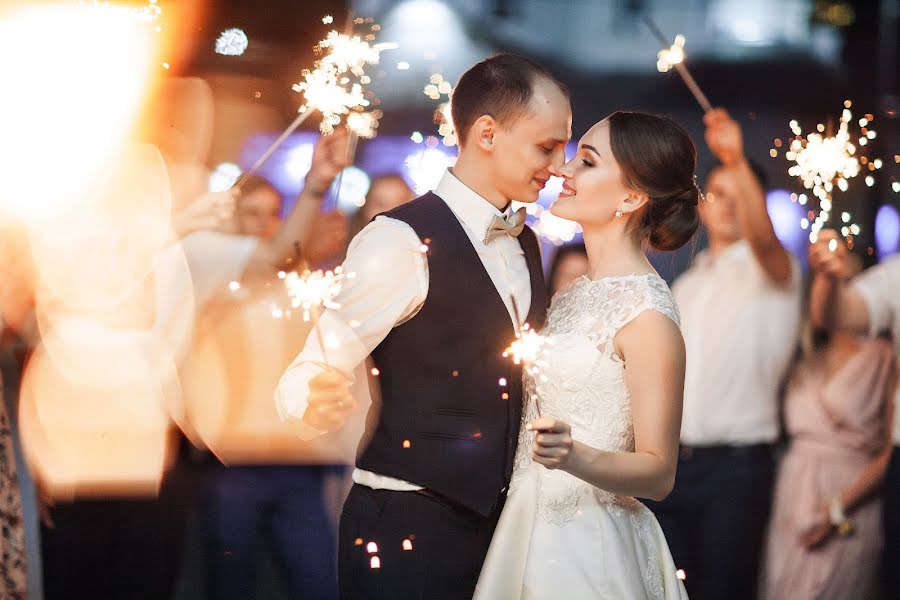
(440, 285)
(740, 307)
(867, 305)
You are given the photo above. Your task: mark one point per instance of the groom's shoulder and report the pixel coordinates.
(417, 209)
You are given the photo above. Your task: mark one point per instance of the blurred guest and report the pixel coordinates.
(569, 263)
(386, 192)
(740, 307)
(868, 304)
(258, 214)
(265, 492)
(825, 532)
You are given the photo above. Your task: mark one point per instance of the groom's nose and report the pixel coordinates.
(559, 170)
(557, 166)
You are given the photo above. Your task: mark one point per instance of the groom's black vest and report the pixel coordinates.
(451, 403)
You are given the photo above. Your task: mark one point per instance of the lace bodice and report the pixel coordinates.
(581, 380)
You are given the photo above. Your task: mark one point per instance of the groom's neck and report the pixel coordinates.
(479, 179)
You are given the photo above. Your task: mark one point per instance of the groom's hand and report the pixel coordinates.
(330, 401)
(552, 442)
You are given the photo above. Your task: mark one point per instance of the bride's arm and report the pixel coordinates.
(653, 350)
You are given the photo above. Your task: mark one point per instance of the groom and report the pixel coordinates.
(432, 302)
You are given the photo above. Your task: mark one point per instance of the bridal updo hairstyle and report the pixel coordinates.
(658, 158)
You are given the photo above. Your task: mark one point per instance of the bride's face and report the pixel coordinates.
(593, 189)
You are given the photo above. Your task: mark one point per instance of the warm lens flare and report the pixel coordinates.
(74, 77)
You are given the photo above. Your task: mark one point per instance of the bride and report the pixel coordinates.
(603, 412)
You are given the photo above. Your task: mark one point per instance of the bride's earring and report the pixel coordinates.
(618, 213)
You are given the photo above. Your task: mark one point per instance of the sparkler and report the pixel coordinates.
(315, 290)
(361, 125)
(673, 57)
(330, 87)
(527, 349)
(824, 161)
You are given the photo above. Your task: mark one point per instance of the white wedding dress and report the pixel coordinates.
(558, 536)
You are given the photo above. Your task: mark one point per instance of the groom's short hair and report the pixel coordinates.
(500, 86)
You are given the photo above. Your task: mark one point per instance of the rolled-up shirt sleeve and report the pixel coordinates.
(385, 284)
(879, 287)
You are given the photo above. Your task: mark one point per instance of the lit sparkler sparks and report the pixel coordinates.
(314, 289)
(330, 87)
(324, 90)
(351, 53)
(527, 349)
(364, 124)
(672, 57)
(824, 162)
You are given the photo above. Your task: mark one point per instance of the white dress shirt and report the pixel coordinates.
(389, 286)
(880, 288)
(740, 331)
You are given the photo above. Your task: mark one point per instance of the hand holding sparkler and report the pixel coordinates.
(330, 401)
(828, 256)
(553, 442)
(330, 157)
(724, 137)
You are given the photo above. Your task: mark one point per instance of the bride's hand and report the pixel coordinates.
(552, 443)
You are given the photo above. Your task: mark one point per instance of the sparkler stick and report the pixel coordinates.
(265, 156)
(676, 58)
(321, 341)
(360, 124)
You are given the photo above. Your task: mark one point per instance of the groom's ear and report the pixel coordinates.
(482, 132)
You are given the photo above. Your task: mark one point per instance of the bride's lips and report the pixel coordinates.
(567, 190)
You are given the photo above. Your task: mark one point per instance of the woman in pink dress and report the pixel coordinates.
(825, 534)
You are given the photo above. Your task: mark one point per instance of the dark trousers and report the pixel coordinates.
(245, 504)
(715, 519)
(447, 545)
(120, 549)
(892, 527)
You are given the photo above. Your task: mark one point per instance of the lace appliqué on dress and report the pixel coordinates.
(583, 383)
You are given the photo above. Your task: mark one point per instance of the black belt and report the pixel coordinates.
(688, 452)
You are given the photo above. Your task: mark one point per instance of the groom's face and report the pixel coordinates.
(530, 147)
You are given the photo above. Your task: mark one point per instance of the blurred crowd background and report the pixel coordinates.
(144, 324)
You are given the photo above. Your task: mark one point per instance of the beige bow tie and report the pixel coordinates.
(501, 225)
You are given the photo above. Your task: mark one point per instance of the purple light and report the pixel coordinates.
(288, 165)
(786, 215)
(887, 231)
